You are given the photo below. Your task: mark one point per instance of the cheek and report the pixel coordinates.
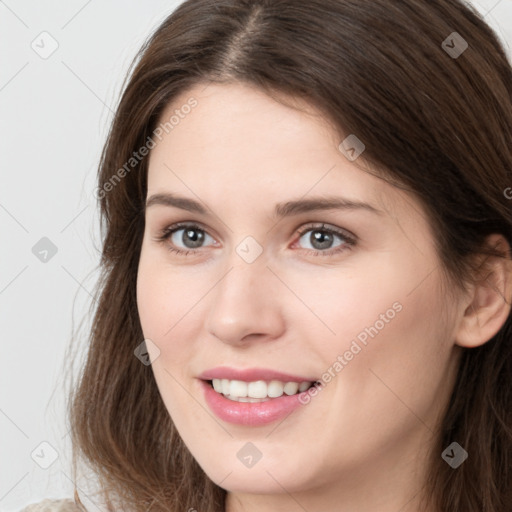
(358, 301)
(162, 307)
(164, 296)
(171, 303)
(390, 297)
(151, 307)
(396, 352)
(382, 332)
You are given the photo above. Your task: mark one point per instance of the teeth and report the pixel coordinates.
(217, 385)
(275, 389)
(238, 388)
(257, 391)
(247, 399)
(303, 386)
(290, 388)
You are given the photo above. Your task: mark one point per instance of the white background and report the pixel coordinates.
(55, 113)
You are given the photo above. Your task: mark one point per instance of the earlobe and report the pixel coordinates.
(490, 298)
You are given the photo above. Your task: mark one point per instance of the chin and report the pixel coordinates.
(264, 477)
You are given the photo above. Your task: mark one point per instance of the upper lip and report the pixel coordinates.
(251, 375)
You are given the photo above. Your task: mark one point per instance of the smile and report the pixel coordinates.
(257, 391)
(253, 397)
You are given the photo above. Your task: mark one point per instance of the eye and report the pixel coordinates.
(325, 240)
(184, 238)
(187, 238)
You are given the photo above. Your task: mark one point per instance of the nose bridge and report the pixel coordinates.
(244, 301)
(247, 272)
(240, 280)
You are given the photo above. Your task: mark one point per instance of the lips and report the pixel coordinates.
(250, 411)
(252, 374)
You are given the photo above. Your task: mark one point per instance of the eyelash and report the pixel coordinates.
(349, 241)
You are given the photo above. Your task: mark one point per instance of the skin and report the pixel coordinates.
(361, 443)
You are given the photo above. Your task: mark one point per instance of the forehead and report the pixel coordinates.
(239, 143)
(246, 120)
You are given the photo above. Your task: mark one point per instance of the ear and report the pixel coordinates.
(489, 302)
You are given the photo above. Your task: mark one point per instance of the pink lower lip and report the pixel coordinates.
(251, 414)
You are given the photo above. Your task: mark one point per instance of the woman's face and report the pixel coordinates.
(274, 289)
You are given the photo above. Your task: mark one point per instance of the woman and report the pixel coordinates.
(305, 302)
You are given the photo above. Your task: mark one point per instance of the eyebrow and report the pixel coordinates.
(284, 209)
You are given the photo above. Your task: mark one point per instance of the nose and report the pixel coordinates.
(245, 304)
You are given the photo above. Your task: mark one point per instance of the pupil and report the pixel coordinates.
(321, 238)
(195, 236)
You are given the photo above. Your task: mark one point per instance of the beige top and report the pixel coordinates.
(64, 505)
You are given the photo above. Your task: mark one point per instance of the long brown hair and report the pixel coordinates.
(436, 123)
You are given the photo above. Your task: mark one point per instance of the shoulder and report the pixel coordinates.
(63, 505)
